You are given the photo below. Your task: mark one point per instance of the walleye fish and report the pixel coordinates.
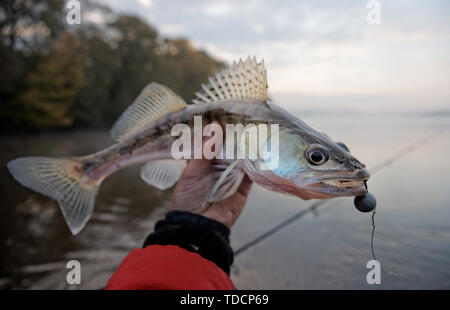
(311, 165)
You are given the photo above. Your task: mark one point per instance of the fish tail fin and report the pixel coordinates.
(63, 180)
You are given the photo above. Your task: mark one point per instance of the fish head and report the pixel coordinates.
(313, 166)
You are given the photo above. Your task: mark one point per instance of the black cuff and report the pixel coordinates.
(195, 233)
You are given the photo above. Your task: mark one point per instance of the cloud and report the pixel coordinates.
(94, 17)
(173, 29)
(320, 47)
(217, 9)
(147, 3)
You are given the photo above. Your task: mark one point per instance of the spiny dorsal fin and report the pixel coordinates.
(154, 101)
(243, 81)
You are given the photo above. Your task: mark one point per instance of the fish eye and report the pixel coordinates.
(317, 155)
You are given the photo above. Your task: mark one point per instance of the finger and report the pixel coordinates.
(245, 186)
(196, 167)
(200, 166)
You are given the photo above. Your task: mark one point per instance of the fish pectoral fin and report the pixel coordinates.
(162, 174)
(226, 185)
(218, 182)
(242, 81)
(154, 102)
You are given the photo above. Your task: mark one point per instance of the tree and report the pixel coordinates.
(184, 68)
(54, 85)
(27, 29)
(30, 24)
(85, 75)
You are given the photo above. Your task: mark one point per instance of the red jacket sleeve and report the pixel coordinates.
(168, 267)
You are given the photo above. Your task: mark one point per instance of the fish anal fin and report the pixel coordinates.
(162, 174)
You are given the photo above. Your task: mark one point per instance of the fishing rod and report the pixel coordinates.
(383, 164)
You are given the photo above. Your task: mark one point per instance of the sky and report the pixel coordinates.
(322, 54)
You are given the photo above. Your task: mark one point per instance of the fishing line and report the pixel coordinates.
(393, 272)
(373, 233)
(373, 226)
(278, 227)
(383, 164)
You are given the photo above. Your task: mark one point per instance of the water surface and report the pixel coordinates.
(325, 249)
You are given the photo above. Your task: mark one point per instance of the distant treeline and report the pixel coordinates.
(55, 75)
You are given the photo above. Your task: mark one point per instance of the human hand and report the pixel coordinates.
(196, 178)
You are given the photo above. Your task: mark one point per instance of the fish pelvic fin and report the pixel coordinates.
(242, 81)
(61, 179)
(154, 102)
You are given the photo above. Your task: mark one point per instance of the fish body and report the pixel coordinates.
(310, 164)
(154, 141)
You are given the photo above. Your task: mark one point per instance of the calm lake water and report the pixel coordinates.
(325, 249)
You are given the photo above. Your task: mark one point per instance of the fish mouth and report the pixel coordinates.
(346, 184)
(342, 187)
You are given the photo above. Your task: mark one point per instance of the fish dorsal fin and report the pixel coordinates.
(243, 81)
(154, 101)
(163, 174)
